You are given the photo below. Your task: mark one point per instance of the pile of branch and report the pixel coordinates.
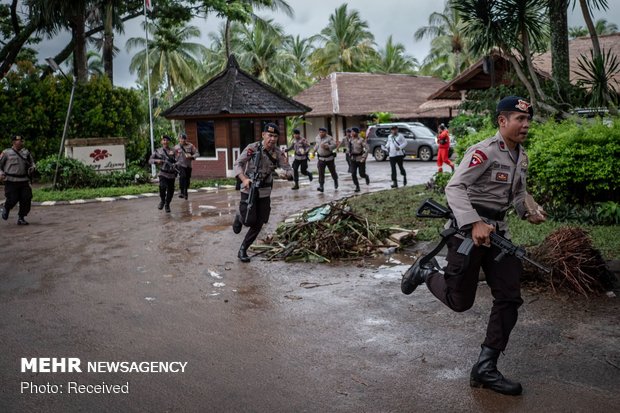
(331, 231)
(577, 265)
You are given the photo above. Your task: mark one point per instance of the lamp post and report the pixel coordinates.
(52, 63)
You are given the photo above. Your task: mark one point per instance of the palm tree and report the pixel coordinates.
(446, 31)
(346, 43)
(393, 59)
(300, 50)
(172, 58)
(508, 25)
(272, 5)
(602, 28)
(262, 54)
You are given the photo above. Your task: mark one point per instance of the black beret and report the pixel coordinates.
(15, 137)
(322, 129)
(348, 130)
(182, 135)
(394, 127)
(166, 138)
(514, 104)
(271, 128)
(356, 130)
(296, 132)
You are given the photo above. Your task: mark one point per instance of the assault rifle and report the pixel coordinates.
(256, 179)
(432, 209)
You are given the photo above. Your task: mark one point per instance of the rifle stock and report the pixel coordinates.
(256, 182)
(431, 209)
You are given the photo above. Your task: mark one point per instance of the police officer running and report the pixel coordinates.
(324, 147)
(302, 148)
(268, 156)
(164, 157)
(491, 177)
(185, 152)
(358, 150)
(16, 167)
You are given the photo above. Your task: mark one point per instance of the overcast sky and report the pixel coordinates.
(399, 18)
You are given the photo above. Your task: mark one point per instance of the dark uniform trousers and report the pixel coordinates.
(457, 287)
(263, 210)
(355, 166)
(304, 168)
(18, 192)
(331, 165)
(397, 160)
(185, 174)
(166, 189)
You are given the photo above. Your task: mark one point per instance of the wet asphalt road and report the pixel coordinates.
(122, 281)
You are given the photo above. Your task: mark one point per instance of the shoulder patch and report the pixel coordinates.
(477, 158)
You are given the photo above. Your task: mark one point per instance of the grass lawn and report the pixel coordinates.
(398, 208)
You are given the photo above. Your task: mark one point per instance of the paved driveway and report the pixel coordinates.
(122, 281)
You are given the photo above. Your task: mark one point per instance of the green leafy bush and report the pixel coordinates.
(575, 163)
(438, 182)
(75, 174)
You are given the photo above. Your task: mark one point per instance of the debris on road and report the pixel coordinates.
(331, 231)
(577, 265)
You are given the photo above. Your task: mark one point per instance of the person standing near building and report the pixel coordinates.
(254, 167)
(16, 167)
(324, 148)
(359, 153)
(164, 157)
(345, 144)
(395, 147)
(185, 154)
(490, 178)
(443, 152)
(302, 148)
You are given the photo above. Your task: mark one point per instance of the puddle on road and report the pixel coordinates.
(215, 227)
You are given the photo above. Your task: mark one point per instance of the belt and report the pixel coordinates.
(326, 158)
(490, 213)
(16, 175)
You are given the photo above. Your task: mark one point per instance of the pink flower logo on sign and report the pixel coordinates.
(100, 154)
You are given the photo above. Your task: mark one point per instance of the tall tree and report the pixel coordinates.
(560, 62)
(446, 31)
(393, 59)
(173, 58)
(507, 25)
(345, 43)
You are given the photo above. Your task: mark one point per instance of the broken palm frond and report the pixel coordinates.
(330, 231)
(577, 265)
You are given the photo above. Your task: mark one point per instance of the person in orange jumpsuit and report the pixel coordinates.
(443, 153)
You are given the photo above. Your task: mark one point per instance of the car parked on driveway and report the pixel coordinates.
(421, 140)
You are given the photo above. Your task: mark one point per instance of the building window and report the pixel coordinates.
(206, 138)
(246, 133)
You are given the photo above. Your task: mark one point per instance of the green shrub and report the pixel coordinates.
(575, 163)
(438, 182)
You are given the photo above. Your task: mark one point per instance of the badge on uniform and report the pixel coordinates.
(477, 158)
(501, 177)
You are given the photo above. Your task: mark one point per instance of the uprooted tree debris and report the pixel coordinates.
(577, 265)
(331, 231)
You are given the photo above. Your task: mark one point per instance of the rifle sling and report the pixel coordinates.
(445, 234)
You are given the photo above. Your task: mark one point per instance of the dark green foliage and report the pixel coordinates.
(75, 174)
(36, 109)
(604, 213)
(575, 164)
(438, 182)
(463, 125)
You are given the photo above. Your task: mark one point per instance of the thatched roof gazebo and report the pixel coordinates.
(226, 114)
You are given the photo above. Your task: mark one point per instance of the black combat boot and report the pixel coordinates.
(310, 176)
(414, 277)
(395, 184)
(357, 188)
(22, 221)
(404, 180)
(367, 180)
(484, 374)
(296, 186)
(320, 188)
(161, 205)
(243, 255)
(335, 184)
(5, 214)
(167, 207)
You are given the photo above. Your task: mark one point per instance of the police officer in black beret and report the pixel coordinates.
(16, 167)
(302, 149)
(489, 180)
